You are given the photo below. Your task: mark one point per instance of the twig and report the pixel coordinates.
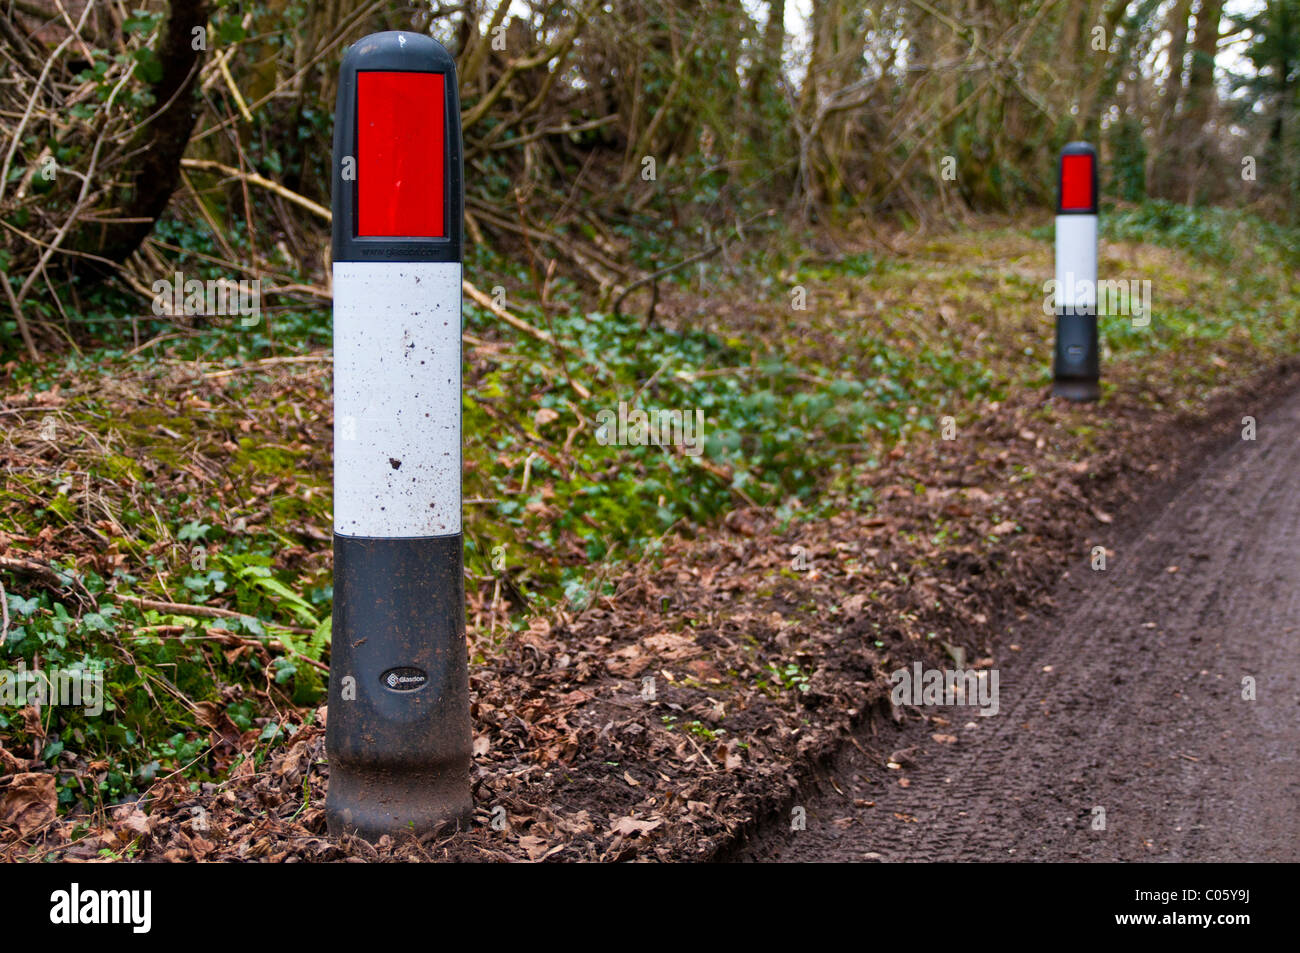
(179, 608)
(560, 131)
(85, 185)
(36, 92)
(253, 178)
(230, 84)
(669, 269)
(271, 362)
(226, 636)
(4, 614)
(517, 323)
(152, 341)
(23, 329)
(33, 568)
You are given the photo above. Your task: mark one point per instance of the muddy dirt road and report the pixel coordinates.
(1128, 699)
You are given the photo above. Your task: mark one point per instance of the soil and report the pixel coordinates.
(1127, 698)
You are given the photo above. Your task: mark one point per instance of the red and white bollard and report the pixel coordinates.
(398, 734)
(1077, 362)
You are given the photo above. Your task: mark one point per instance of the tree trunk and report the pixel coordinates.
(162, 142)
(1200, 78)
(769, 62)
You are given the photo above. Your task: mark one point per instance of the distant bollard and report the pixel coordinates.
(398, 734)
(1077, 363)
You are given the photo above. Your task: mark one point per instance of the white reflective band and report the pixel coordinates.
(397, 398)
(1076, 261)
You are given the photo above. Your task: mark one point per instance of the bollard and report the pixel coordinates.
(398, 731)
(1077, 362)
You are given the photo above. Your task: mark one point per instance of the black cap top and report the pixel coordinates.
(1076, 182)
(395, 51)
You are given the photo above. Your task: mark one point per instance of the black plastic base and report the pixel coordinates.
(1077, 362)
(1077, 390)
(398, 729)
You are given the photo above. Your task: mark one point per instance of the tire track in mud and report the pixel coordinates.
(1128, 698)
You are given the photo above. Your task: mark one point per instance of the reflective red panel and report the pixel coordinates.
(1076, 182)
(400, 131)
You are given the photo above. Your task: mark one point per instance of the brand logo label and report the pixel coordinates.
(404, 679)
